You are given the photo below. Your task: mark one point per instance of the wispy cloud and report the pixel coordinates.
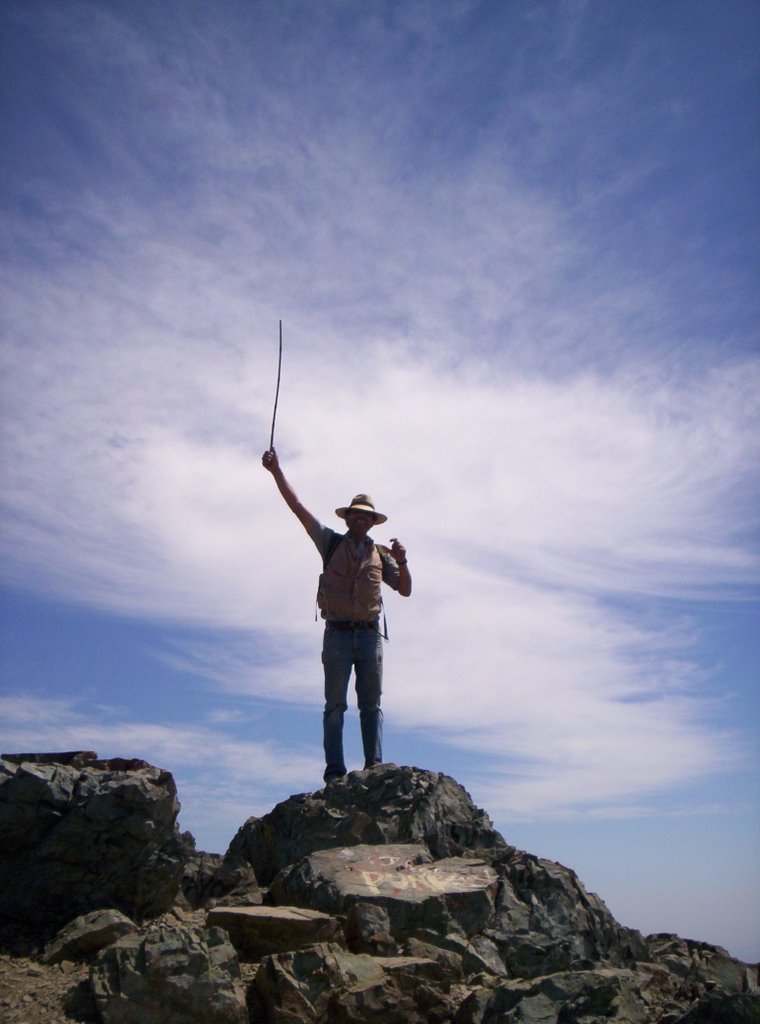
(508, 368)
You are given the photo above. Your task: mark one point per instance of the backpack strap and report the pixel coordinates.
(335, 542)
(385, 554)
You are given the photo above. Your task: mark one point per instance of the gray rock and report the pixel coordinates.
(368, 930)
(701, 967)
(384, 805)
(328, 985)
(169, 976)
(210, 879)
(257, 931)
(479, 954)
(546, 921)
(78, 837)
(450, 961)
(400, 857)
(722, 1009)
(573, 997)
(76, 758)
(87, 935)
(456, 894)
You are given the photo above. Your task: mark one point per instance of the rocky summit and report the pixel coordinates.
(385, 898)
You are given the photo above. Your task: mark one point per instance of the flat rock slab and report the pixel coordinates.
(416, 892)
(260, 931)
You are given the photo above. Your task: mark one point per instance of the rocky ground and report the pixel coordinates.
(33, 992)
(385, 898)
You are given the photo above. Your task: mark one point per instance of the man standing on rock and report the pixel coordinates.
(350, 600)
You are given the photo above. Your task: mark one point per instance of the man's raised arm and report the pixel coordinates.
(270, 462)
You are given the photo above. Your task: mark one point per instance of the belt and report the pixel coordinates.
(352, 625)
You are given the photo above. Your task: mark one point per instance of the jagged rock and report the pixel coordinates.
(573, 997)
(75, 758)
(401, 857)
(546, 921)
(169, 976)
(451, 962)
(328, 985)
(722, 1009)
(257, 931)
(479, 954)
(87, 935)
(646, 995)
(384, 805)
(700, 966)
(456, 894)
(83, 836)
(368, 930)
(210, 879)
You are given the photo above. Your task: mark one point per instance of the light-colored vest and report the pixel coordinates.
(350, 589)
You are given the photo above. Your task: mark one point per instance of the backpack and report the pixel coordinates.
(335, 542)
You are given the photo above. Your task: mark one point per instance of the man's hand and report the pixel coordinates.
(270, 461)
(404, 578)
(398, 550)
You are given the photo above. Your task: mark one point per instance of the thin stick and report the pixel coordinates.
(277, 392)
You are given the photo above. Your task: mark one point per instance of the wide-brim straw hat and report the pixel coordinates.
(361, 503)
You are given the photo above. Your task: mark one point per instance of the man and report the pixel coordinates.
(350, 600)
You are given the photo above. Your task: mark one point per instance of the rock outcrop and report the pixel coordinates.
(387, 805)
(533, 914)
(80, 834)
(385, 898)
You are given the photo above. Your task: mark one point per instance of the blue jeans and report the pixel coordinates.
(362, 650)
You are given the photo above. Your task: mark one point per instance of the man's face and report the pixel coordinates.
(359, 523)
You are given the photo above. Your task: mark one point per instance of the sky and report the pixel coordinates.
(513, 247)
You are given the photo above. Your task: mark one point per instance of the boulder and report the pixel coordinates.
(701, 967)
(209, 879)
(169, 975)
(573, 997)
(257, 931)
(451, 963)
(546, 921)
(383, 805)
(85, 835)
(717, 1008)
(479, 955)
(87, 935)
(443, 920)
(328, 985)
(368, 930)
(456, 894)
(647, 994)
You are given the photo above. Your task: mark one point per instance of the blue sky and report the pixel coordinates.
(514, 249)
